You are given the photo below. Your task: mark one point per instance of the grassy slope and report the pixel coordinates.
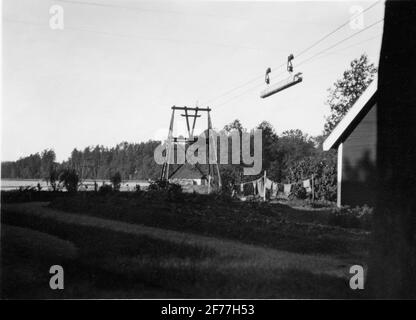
(273, 225)
(114, 261)
(93, 260)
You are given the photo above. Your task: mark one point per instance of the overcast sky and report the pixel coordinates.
(114, 71)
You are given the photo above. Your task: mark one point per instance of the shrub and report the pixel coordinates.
(174, 188)
(323, 167)
(116, 181)
(53, 177)
(170, 191)
(28, 194)
(105, 189)
(158, 185)
(230, 177)
(70, 179)
(346, 217)
(299, 192)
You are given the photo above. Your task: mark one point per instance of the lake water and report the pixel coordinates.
(11, 184)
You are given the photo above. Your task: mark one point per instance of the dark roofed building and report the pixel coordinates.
(355, 138)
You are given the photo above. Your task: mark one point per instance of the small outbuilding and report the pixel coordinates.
(355, 138)
(189, 175)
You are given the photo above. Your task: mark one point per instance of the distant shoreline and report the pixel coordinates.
(13, 184)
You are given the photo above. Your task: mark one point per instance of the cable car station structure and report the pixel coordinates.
(212, 174)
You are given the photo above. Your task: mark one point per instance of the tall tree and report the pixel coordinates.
(48, 158)
(348, 89)
(293, 145)
(235, 125)
(269, 147)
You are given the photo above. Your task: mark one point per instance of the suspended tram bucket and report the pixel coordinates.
(282, 85)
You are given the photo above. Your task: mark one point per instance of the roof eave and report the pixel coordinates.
(337, 135)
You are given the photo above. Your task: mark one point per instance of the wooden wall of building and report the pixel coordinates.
(358, 164)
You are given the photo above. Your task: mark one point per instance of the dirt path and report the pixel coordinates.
(247, 256)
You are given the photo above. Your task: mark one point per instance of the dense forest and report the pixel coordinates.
(132, 161)
(283, 156)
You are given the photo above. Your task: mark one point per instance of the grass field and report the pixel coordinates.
(129, 250)
(276, 226)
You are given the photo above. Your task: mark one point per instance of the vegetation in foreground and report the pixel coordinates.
(115, 264)
(272, 225)
(109, 264)
(99, 268)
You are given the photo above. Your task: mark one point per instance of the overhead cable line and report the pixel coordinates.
(297, 55)
(306, 60)
(134, 36)
(337, 29)
(339, 42)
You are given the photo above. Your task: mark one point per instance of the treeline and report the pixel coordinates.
(288, 157)
(131, 160)
(35, 166)
(136, 160)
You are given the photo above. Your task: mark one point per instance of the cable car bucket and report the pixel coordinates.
(284, 84)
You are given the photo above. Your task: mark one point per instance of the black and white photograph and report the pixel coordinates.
(216, 150)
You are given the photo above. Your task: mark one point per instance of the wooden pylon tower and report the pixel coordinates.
(213, 175)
